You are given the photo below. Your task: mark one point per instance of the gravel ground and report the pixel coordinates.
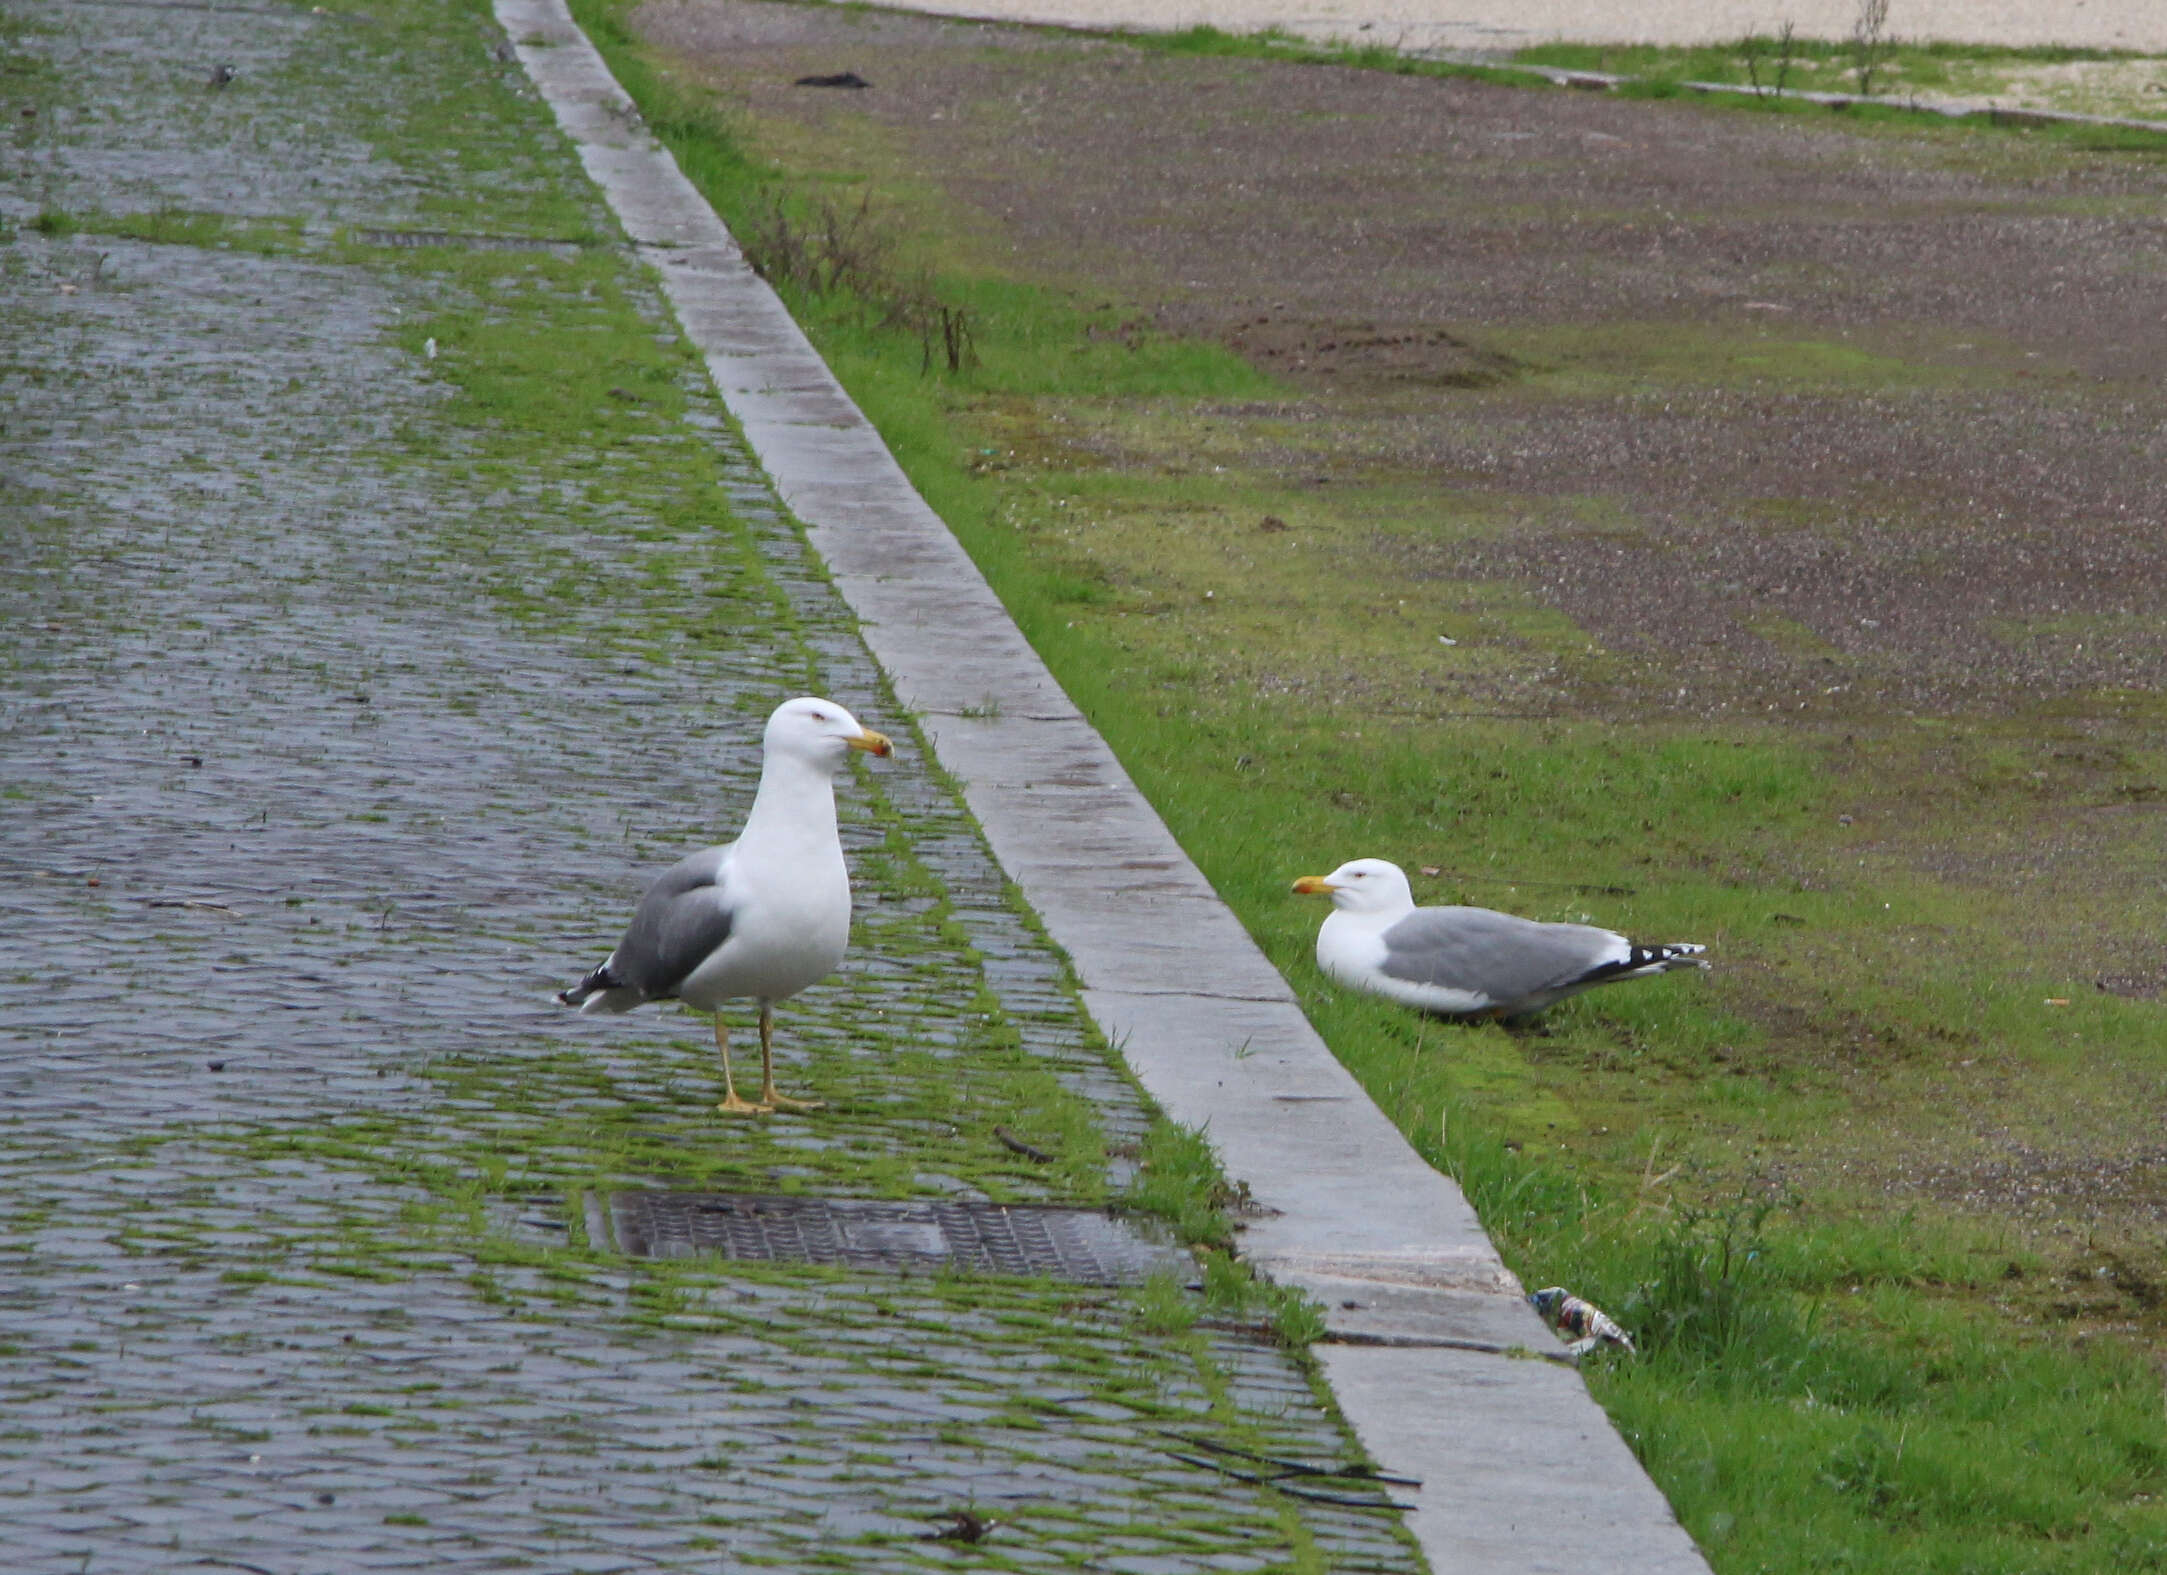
(1904, 397)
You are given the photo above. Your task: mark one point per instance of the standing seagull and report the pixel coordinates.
(1466, 962)
(763, 916)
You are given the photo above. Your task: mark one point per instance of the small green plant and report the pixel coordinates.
(1709, 1298)
(1232, 1290)
(1870, 43)
(1775, 55)
(831, 249)
(1164, 1307)
(55, 222)
(1864, 1467)
(1179, 1181)
(1296, 1318)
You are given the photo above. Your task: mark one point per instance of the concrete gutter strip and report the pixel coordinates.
(1521, 1471)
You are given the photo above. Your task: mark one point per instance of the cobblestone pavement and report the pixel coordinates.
(368, 637)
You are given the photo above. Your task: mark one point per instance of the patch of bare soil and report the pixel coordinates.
(1995, 453)
(1432, 357)
(1928, 615)
(2022, 1180)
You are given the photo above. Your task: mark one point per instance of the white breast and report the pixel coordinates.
(1351, 949)
(787, 935)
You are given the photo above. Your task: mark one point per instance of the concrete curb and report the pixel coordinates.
(1521, 1471)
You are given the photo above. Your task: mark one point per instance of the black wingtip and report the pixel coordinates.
(599, 980)
(1664, 958)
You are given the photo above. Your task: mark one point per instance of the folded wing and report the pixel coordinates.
(1499, 955)
(683, 919)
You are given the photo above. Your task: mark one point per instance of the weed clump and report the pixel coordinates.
(1709, 1298)
(831, 249)
(1778, 54)
(1178, 1179)
(1870, 43)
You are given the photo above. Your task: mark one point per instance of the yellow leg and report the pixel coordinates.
(768, 1096)
(731, 1104)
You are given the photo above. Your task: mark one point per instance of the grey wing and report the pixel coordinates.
(1499, 954)
(680, 922)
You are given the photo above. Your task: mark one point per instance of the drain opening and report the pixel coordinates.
(415, 239)
(1086, 1246)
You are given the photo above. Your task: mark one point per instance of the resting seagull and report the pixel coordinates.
(1466, 962)
(764, 916)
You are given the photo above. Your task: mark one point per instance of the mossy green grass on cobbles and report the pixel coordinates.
(577, 500)
(605, 434)
(465, 124)
(177, 227)
(21, 70)
(613, 440)
(617, 420)
(1821, 1386)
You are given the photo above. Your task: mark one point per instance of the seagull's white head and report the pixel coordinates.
(819, 732)
(1362, 886)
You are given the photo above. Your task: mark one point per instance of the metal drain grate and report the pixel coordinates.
(1083, 1245)
(478, 243)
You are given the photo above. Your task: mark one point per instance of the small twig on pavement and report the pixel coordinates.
(1297, 1467)
(1015, 1144)
(1278, 1484)
(964, 1525)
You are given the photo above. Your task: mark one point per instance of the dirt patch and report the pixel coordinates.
(1899, 394)
(1904, 608)
(2028, 1182)
(2146, 985)
(1367, 351)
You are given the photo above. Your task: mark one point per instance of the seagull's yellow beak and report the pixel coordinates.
(873, 743)
(1314, 886)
